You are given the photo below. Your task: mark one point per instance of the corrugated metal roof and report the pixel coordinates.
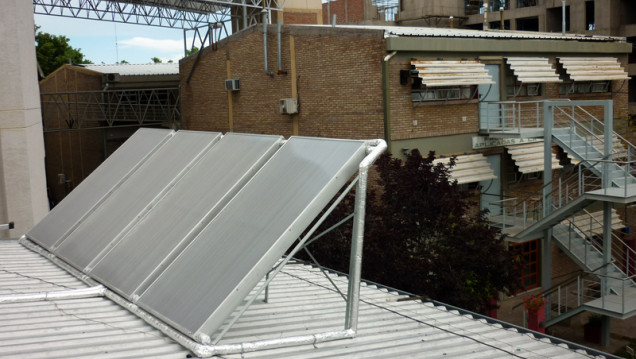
(136, 69)
(67, 328)
(451, 72)
(533, 69)
(469, 168)
(529, 157)
(301, 301)
(593, 68)
(392, 31)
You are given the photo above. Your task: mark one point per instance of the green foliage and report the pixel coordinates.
(194, 50)
(53, 51)
(423, 235)
(156, 60)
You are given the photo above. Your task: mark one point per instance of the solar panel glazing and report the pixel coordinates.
(129, 202)
(53, 227)
(184, 211)
(226, 260)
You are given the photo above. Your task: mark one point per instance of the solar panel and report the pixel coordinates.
(215, 272)
(90, 192)
(135, 197)
(184, 211)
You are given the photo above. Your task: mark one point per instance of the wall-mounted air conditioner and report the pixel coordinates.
(288, 106)
(232, 85)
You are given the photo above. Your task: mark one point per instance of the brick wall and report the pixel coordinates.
(354, 11)
(435, 118)
(300, 18)
(338, 76)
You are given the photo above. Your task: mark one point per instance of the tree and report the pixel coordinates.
(193, 50)
(53, 51)
(156, 60)
(424, 236)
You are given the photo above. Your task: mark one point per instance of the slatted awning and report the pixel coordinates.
(469, 168)
(435, 73)
(593, 68)
(533, 69)
(529, 157)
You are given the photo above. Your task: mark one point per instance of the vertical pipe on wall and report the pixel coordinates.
(294, 84)
(563, 17)
(485, 15)
(244, 14)
(280, 55)
(264, 13)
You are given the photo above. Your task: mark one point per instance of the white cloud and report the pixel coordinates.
(161, 45)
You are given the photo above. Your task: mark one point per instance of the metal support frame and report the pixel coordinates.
(111, 108)
(163, 13)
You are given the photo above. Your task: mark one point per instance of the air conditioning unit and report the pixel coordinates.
(232, 85)
(288, 106)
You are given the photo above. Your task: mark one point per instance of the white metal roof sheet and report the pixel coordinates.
(397, 31)
(469, 168)
(136, 69)
(593, 68)
(67, 328)
(451, 72)
(533, 69)
(301, 300)
(529, 157)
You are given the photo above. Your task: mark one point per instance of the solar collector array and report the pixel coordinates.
(196, 219)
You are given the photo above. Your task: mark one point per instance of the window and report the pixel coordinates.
(421, 93)
(528, 24)
(572, 87)
(526, 3)
(529, 256)
(473, 7)
(514, 88)
(589, 15)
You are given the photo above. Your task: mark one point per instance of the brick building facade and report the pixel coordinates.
(358, 82)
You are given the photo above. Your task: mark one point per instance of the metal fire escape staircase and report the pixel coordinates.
(602, 172)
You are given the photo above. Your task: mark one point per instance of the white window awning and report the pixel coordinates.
(529, 157)
(593, 68)
(469, 168)
(435, 73)
(533, 69)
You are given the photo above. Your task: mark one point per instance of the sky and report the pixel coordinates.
(109, 42)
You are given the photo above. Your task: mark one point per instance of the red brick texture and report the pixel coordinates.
(354, 11)
(300, 18)
(338, 77)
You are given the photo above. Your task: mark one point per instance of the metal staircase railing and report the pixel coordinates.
(586, 292)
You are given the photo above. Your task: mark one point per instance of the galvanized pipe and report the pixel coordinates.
(357, 236)
(96, 291)
(280, 50)
(265, 21)
(563, 17)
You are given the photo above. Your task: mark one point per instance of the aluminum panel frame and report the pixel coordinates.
(94, 189)
(181, 215)
(134, 198)
(212, 276)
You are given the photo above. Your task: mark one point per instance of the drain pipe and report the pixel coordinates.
(562, 17)
(265, 21)
(280, 50)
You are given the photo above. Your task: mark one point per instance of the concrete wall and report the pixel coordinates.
(22, 183)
